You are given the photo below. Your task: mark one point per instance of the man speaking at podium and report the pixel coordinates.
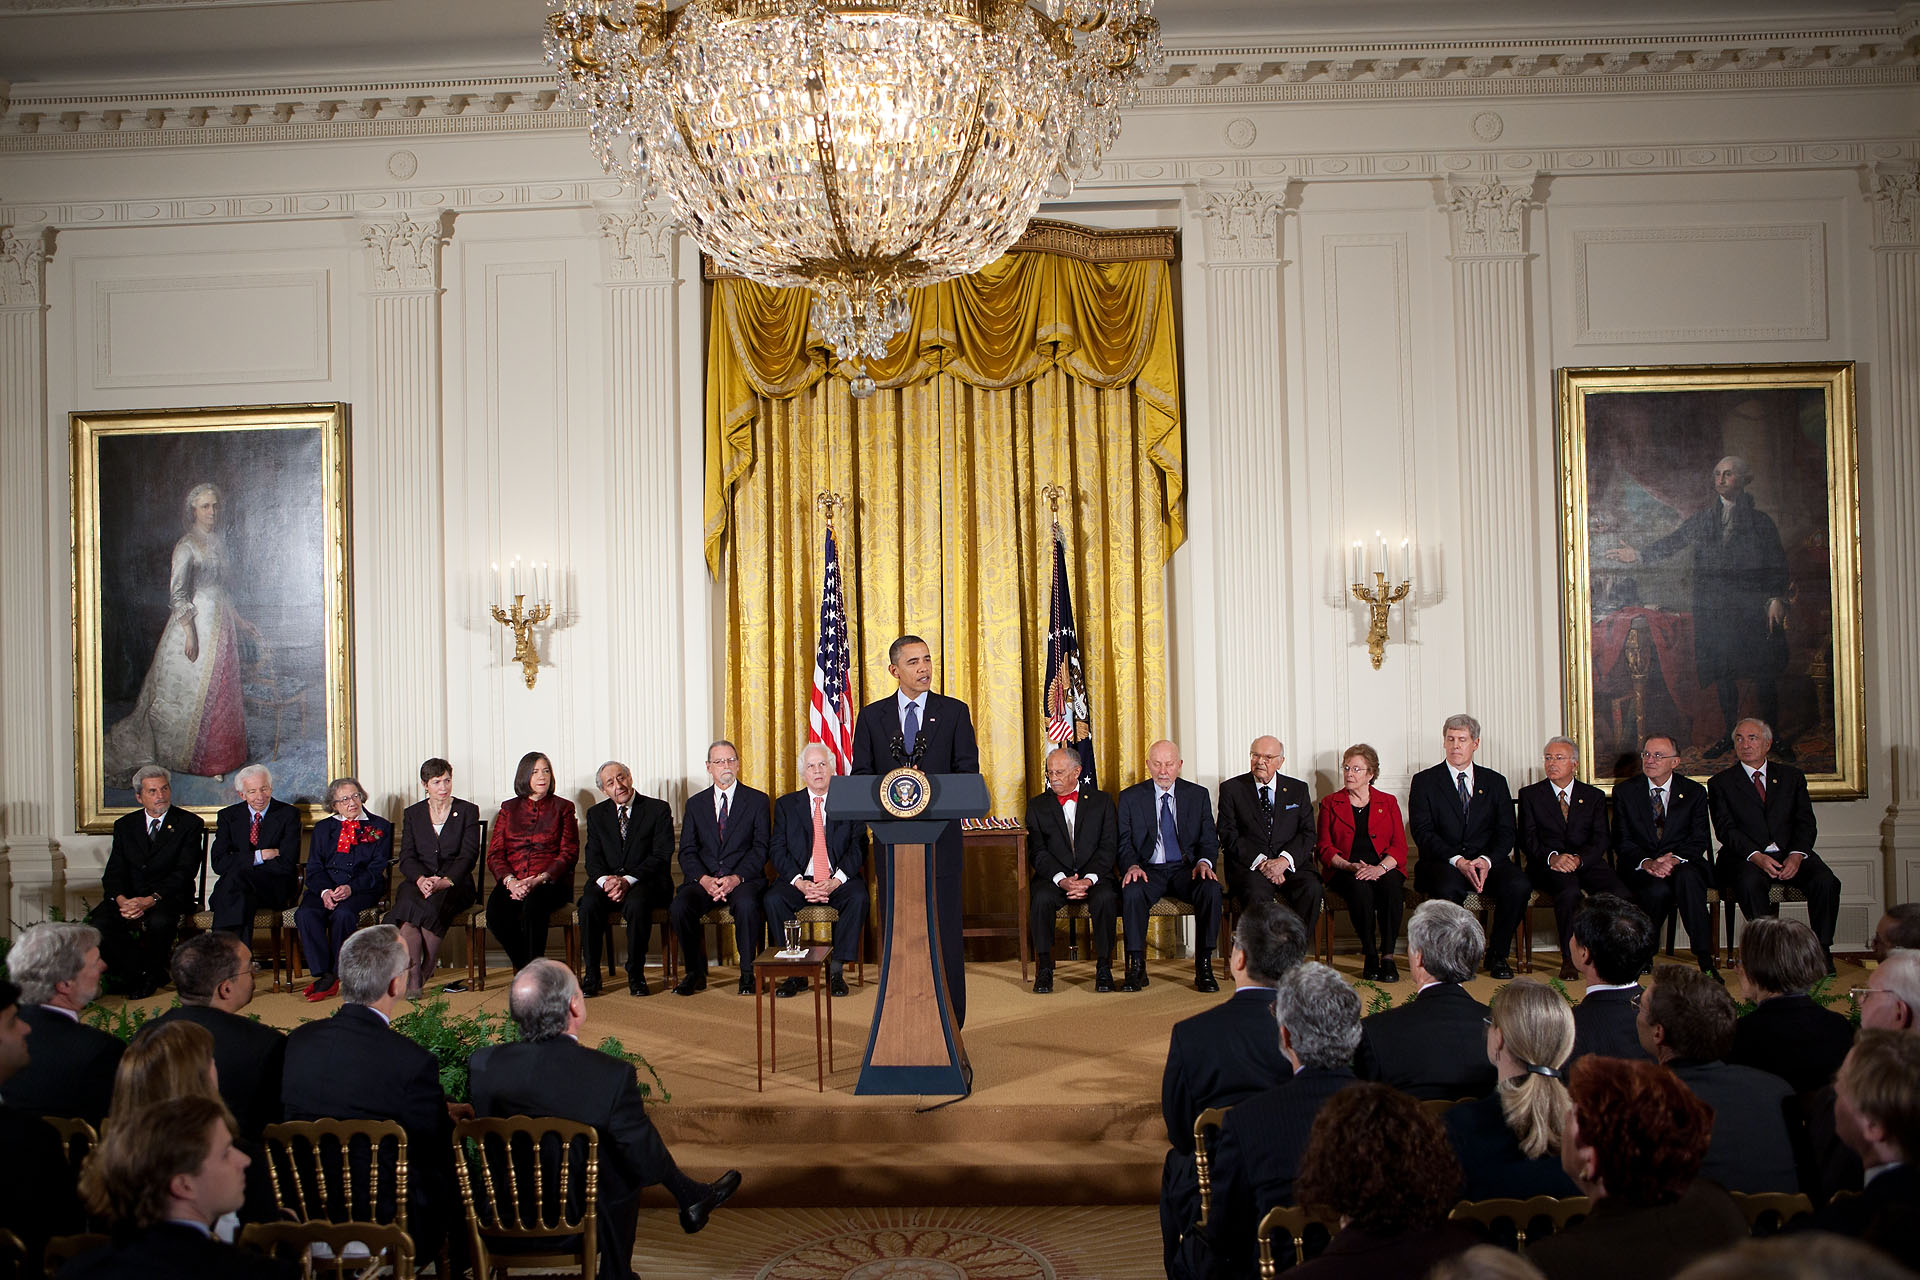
(935, 734)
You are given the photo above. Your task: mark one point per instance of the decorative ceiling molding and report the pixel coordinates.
(47, 8)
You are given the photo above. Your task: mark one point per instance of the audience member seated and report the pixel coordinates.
(1877, 1107)
(37, 1197)
(163, 1176)
(347, 863)
(1073, 843)
(1686, 1024)
(550, 1073)
(57, 967)
(1226, 1054)
(723, 864)
(148, 884)
(1790, 1033)
(256, 854)
(1508, 1142)
(1613, 941)
(1485, 1262)
(1811, 1255)
(1461, 816)
(1435, 1045)
(1380, 1166)
(536, 840)
(1663, 845)
(354, 1066)
(1889, 1002)
(1634, 1143)
(1899, 927)
(1362, 847)
(1263, 1138)
(439, 848)
(1764, 819)
(1168, 847)
(628, 858)
(1266, 834)
(1565, 840)
(214, 974)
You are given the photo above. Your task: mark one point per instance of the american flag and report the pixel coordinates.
(830, 719)
(1069, 720)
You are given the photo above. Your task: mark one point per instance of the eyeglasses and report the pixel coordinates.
(1658, 755)
(724, 764)
(253, 968)
(1859, 994)
(1638, 995)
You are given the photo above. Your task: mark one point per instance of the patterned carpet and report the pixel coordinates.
(1080, 1243)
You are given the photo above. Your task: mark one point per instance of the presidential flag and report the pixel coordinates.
(830, 719)
(1069, 720)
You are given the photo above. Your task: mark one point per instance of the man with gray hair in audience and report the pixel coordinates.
(1890, 1001)
(550, 1073)
(1434, 1046)
(57, 968)
(1263, 1138)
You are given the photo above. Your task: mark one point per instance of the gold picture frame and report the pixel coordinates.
(1695, 596)
(212, 603)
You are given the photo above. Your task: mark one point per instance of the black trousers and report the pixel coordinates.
(1685, 889)
(1047, 899)
(1565, 888)
(136, 951)
(1173, 880)
(1748, 885)
(1300, 890)
(521, 927)
(1373, 905)
(1507, 886)
(691, 905)
(783, 902)
(238, 894)
(636, 908)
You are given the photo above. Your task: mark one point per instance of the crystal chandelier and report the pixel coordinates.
(858, 149)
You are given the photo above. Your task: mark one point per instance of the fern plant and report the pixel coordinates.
(1379, 999)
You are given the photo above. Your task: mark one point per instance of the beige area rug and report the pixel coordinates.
(1081, 1243)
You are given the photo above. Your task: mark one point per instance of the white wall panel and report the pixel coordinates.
(1768, 283)
(213, 330)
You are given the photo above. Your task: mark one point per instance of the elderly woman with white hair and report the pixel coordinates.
(346, 874)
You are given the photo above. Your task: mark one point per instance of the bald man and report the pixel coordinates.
(1266, 834)
(1168, 849)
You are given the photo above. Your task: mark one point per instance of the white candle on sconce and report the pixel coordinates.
(1358, 567)
(493, 571)
(1406, 560)
(546, 581)
(1385, 568)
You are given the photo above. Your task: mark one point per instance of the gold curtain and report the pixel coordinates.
(1041, 369)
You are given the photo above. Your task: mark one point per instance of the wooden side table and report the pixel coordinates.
(768, 966)
(1001, 924)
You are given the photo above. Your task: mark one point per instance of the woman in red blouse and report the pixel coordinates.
(535, 842)
(1363, 858)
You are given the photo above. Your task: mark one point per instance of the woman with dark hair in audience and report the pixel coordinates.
(536, 840)
(1634, 1142)
(1381, 1167)
(1508, 1143)
(1362, 848)
(439, 846)
(1789, 1032)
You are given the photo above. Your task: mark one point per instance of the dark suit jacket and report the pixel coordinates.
(37, 1196)
(793, 839)
(70, 1068)
(170, 1251)
(1192, 822)
(745, 852)
(363, 868)
(1219, 1058)
(1745, 827)
(166, 865)
(1886, 1214)
(1584, 832)
(948, 726)
(1439, 828)
(1490, 1156)
(1243, 830)
(250, 1057)
(1684, 833)
(1647, 1244)
(1434, 1046)
(1751, 1148)
(562, 1077)
(647, 852)
(1794, 1037)
(453, 853)
(1603, 1023)
(1094, 849)
(1353, 1254)
(279, 829)
(1257, 1158)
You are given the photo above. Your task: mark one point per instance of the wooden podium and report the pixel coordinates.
(914, 1046)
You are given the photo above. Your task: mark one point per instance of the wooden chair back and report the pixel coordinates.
(525, 1182)
(349, 1250)
(77, 1138)
(1295, 1221)
(1525, 1218)
(1438, 1107)
(339, 1170)
(64, 1249)
(1772, 1212)
(1205, 1125)
(13, 1256)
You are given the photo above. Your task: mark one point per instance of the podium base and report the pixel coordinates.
(914, 1046)
(947, 1078)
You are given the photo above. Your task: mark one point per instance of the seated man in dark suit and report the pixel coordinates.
(1228, 1053)
(1266, 833)
(1764, 819)
(550, 1073)
(1073, 847)
(1877, 1106)
(163, 1176)
(723, 863)
(1612, 942)
(1435, 1045)
(1564, 838)
(1167, 849)
(1461, 818)
(1662, 845)
(816, 862)
(214, 974)
(1264, 1137)
(148, 884)
(628, 858)
(256, 853)
(1686, 1024)
(58, 968)
(37, 1198)
(354, 1066)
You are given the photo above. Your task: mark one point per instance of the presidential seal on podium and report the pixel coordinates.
(905, 792)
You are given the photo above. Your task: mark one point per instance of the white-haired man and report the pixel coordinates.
(816, 863)
(256, 853)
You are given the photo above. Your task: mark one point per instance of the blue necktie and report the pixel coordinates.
(1169, 834)
(1466, 801)
(911, 729)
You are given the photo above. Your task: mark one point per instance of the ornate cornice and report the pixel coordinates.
(403, 250)
(1488, 214)
(1068, 239)
(23, 260)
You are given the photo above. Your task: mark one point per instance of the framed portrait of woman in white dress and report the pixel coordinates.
(212, 603)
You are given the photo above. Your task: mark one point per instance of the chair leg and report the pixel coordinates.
(1324, 935)
(477, 959)
(1526, 939)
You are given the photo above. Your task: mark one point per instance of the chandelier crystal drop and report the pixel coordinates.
(858, 149)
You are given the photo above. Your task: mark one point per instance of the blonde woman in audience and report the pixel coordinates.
(1509, 1142)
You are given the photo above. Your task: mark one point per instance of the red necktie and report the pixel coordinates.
(1760, 785)
(253, 836)
(821, 869)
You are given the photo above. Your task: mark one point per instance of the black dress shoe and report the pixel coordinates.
(689, 985)
(1203, 975)
(1043, 979)
(694, 1216)
(639, 987)
(789, 987)
(746, 985)
(1103, 977)
(837, 984)
(1499, 971)
(1389, 971)
(590, 989)
(1719, 748)
(1370, 971)
(1567, 972)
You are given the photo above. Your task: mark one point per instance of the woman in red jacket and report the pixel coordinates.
(536, 840)
(1363, 858)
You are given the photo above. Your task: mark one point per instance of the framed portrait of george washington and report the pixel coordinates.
(1710, 541)
(212, 603)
